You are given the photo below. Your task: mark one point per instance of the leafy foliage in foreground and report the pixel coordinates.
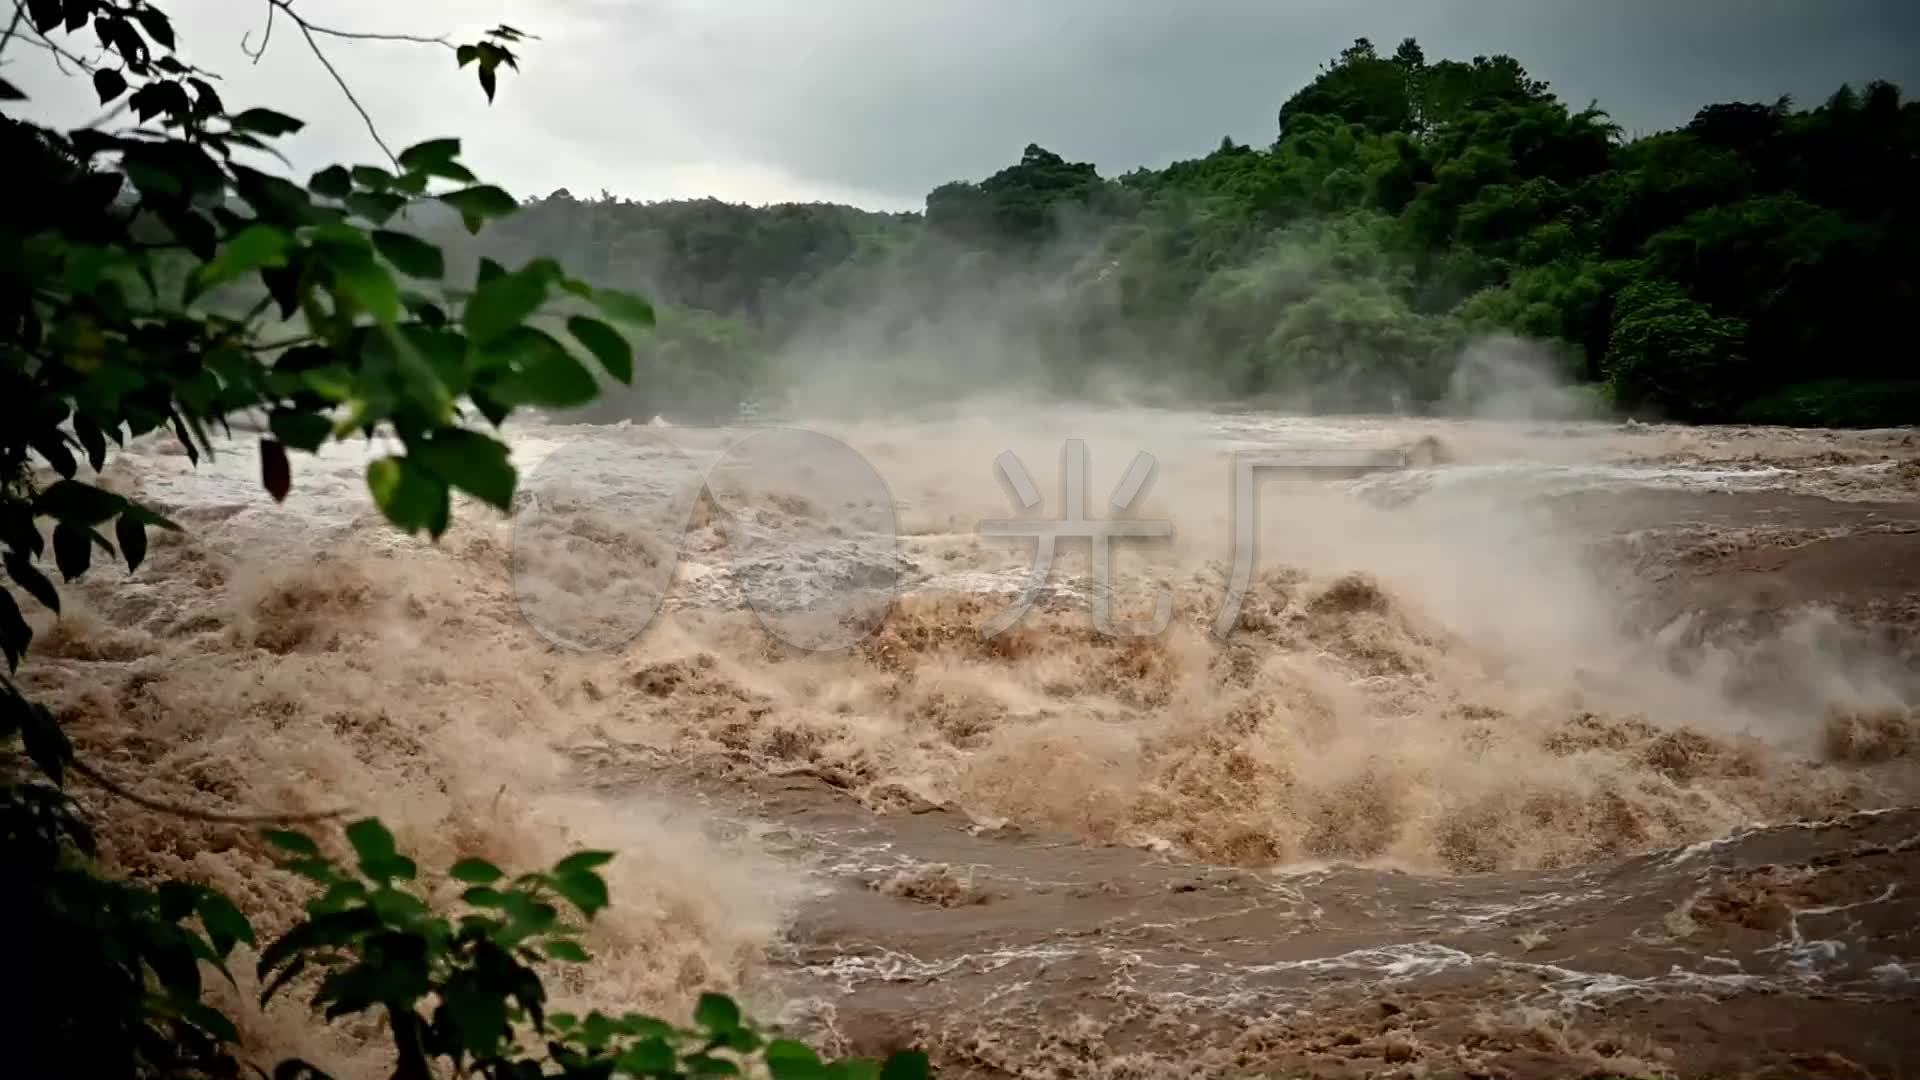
(463, 992)
(154, 278)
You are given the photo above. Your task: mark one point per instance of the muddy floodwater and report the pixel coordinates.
(1568, 749)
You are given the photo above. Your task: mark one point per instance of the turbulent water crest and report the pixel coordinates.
(753, 663)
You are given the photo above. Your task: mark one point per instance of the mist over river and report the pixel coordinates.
(1570, 749)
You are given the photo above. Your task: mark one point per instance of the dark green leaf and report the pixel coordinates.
(293, 842)
(566, 950)
(397, 867)
(545, 269)
(44, 742)
(46, 14)
(478, 203)
(582, 860)
(133, 540)
(480, 1017)
(584, 889)
(225, 925)
(250, 249)
(482, 896)
(333, 181)
(369, 284)
(412, 497)
(371, 841)
(543, 373)
(284, 285)
(15, 634)
(109, 84)
(18, 530)
(606, 344)
(162, 96)
(267, 122)
(444, 356)
(431, 152)
(91, 438)
(906, 1065)
(340, 240)
(475, 871)
(207, 101)
(623, 307)
(193, 231)
(502, 304)
(466, 54)
(175, 900)
(487, 80)
(716, 1013)
(470, 461)
(147, 517)
(449, 170)
(29, 577)
(495, 411)
(371, 178)
(790, 1060)
(275, 474)
(306, 431)
(648, 1057)
(155, 24)
(375, 206)
(82, 504)
(410, 254)
(72, 549)
(426, 311)
(52, 447)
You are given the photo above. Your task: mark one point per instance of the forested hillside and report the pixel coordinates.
(1756, 264)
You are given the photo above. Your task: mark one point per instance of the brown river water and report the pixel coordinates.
(1569, 750)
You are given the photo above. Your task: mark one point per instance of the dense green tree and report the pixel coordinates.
(1670, 351)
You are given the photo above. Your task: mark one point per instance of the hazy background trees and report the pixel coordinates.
(1753, 265)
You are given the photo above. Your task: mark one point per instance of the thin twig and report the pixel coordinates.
(353, 35)
(19, 12)
(344, 88)
(264, 38)
(41, 41)
(156, 805)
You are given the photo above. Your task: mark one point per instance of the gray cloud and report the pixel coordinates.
(877, 101)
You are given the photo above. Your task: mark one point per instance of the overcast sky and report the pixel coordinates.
(874, 102)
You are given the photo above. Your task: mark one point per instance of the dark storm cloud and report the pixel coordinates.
(877, 101)
(897, 97)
